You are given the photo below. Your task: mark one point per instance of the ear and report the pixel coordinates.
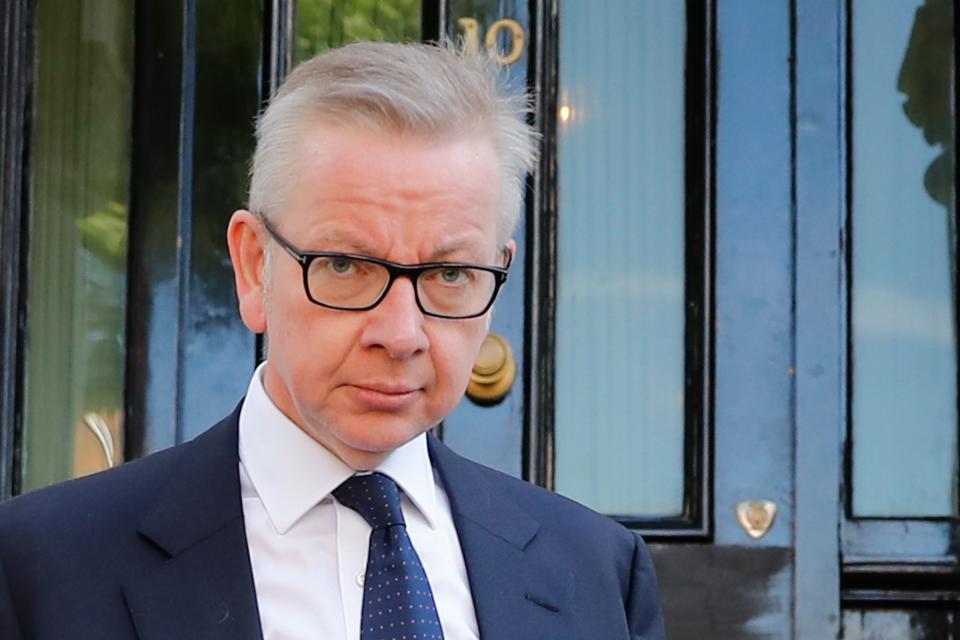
(509, 253)
(246, 242)
(511, 249)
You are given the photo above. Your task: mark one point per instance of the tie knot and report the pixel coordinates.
(375, 497)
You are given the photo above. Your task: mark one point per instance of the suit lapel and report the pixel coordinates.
(205, 587)
(517, 590)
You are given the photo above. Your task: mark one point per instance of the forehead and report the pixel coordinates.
(383, 188)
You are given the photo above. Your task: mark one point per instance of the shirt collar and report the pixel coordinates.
(291, 472)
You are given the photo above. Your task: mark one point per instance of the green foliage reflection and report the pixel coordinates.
(325, 24)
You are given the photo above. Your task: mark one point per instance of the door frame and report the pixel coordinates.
(16, 79)
(818, 371)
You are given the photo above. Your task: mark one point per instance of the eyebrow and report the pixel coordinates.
(456, 244)
(444, 256)
(344, 241)
(349, 243)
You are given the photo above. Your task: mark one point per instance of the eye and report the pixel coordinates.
(453, 275)
(341, 265)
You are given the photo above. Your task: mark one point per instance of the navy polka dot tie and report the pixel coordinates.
(397, 601)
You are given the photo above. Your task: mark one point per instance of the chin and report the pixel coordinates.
(378, 436)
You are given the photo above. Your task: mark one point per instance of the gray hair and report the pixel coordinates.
(425, 89)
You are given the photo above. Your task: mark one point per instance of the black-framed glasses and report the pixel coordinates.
(352, 282)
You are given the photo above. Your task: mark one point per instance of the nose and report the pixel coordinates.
(396, 324)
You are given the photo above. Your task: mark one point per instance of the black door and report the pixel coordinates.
(733, 321)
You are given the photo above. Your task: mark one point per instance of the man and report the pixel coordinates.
(386, 184)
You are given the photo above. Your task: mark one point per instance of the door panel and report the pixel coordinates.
(620, 269)
(899, 528)
(716, 581)
(152, 348)
(753, 328)
(903, 360)
(199, 74)
(224, 101)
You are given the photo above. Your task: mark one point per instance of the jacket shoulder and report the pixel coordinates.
(92, 502)
(551, 507)
(111, 499)
(557, 515)
(68, 550)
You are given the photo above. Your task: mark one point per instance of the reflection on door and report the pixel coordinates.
(77, 282)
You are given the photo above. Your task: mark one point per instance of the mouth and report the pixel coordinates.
(383, 396)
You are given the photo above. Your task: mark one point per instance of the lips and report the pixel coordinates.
(380, 396)
(387, 388)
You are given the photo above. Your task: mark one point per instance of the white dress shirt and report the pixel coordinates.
(308, 552)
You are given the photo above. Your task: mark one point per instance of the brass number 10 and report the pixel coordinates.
(471, 34)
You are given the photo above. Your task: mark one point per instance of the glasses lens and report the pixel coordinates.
(348, 283)
(456, 291)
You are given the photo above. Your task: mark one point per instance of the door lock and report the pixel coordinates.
(494, 371)
(756, 516)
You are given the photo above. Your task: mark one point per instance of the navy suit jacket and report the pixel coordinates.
(156, 550)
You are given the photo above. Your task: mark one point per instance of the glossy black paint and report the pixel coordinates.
(218, 351)
(197, 91)
(700, 107)
(541, 258)
(153, 299)
(279, 30)
(431, 20)
(185, 273)
(16, 75)
(889, 584)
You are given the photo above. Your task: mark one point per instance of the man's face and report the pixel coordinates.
(363, 383)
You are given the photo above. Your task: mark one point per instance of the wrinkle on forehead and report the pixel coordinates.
(349, 234)
(357, 160)
(409, 197)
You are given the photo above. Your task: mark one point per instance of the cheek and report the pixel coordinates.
(455, 352)
(304, 340)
